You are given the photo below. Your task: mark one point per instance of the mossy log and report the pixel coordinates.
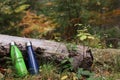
(48, 50)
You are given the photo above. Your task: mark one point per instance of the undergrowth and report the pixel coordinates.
(106, 66)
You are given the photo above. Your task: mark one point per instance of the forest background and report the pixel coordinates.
(63, 20)
(94, 23)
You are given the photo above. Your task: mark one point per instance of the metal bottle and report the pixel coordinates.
(17, 60)
(32, 62)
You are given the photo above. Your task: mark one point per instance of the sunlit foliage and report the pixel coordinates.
(31, 23)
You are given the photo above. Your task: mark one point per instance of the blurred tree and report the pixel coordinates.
(36, 26)
(68, 13)
(10, 14)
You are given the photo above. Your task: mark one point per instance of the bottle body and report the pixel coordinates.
(32, 62)
(18, 61)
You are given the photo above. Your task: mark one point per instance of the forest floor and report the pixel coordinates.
(106, 66)
(107, 63)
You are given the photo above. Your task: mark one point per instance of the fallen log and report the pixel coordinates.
(46, 49)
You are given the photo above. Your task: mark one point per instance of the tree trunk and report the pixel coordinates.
(48, 50)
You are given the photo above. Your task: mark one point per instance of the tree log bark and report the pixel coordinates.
(46, 49)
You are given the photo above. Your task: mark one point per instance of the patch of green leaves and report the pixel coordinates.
(83, 34)
(66, 64)
(82, 72)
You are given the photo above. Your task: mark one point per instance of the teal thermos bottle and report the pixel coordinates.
(17, 60)
(32, 62)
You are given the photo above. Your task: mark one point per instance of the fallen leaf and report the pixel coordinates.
(64, 77)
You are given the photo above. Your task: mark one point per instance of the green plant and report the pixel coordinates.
(84, 36)
(81, 73)
(48, 71)
(66, 65)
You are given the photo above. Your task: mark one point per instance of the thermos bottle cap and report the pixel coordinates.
(12, 43)
(28, 43)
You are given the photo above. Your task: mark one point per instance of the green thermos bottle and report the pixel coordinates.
(17, 60)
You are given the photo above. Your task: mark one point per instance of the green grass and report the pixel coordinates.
(48, 71)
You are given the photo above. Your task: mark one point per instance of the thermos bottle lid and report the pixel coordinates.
(12, 43)
(28, 43)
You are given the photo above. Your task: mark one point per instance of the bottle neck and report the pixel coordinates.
(12, 43)
(28, 44)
